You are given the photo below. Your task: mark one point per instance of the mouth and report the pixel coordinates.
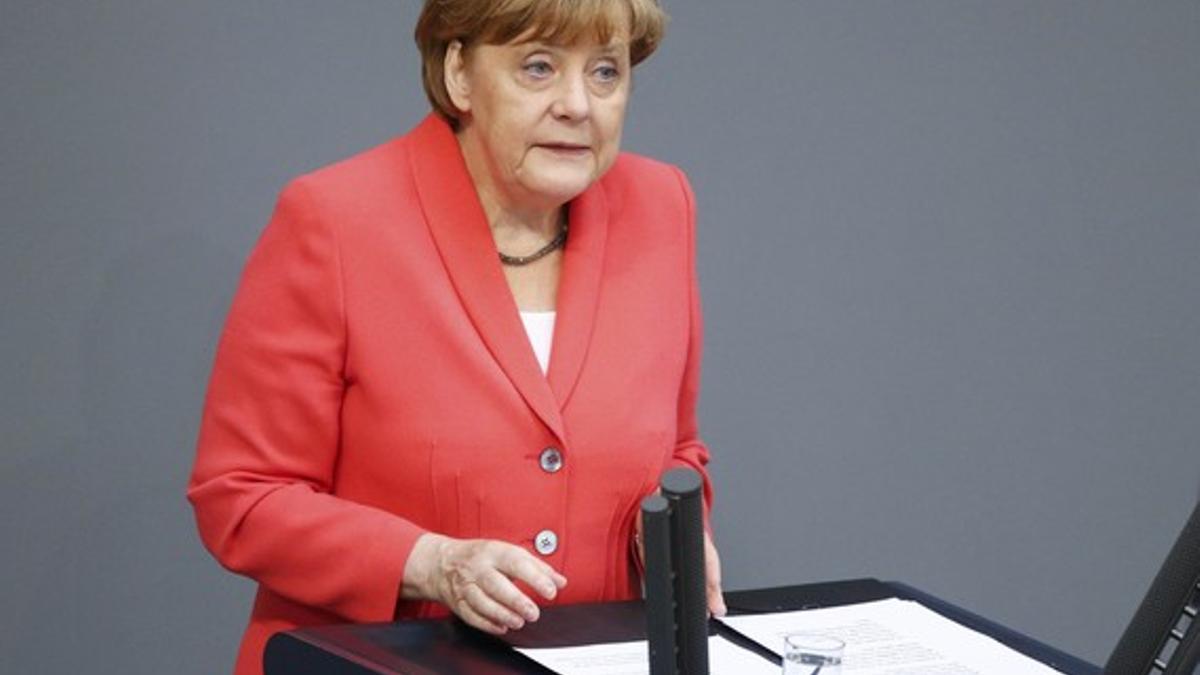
(566, 149)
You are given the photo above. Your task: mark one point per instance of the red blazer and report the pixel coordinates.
(374, 382)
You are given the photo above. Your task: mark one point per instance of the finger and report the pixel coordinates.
(492, 608)
(517, 563)
(712, 569)
(712, 560)
(716, 600)
(502, 590)
(473, 618)
(559, 580)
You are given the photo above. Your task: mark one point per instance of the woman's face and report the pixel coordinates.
(542, 121)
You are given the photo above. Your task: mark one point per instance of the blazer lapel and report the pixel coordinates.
(578, 290)
(460, 231)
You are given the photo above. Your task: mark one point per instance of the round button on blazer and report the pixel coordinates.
(374, 382)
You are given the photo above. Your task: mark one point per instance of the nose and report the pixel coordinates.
(573, 102)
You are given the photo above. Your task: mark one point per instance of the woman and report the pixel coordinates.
(456, 362)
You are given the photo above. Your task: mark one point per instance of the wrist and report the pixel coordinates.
(420, 571)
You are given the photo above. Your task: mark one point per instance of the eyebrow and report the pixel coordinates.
(612, 48)
(615, 48)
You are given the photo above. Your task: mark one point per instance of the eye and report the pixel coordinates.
(607, 73)
(538, 69)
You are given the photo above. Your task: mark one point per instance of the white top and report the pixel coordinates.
(539, 326)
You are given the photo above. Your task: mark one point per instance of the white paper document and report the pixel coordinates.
(893, 637)
(633, 658)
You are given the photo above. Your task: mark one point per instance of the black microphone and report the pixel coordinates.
(660, 586)
(675, 581)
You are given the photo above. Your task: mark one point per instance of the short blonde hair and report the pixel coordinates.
(502, 21)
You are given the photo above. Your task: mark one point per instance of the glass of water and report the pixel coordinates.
(812, 654)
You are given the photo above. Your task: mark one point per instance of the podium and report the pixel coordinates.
(449, 646)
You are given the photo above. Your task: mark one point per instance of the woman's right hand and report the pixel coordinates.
(475, 579)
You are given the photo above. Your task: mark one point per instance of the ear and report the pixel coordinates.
(457, 80)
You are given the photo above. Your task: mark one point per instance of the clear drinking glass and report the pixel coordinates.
(812, 654)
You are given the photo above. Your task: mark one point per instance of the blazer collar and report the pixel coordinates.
(460, 231)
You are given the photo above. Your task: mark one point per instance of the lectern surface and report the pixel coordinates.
(450, 647)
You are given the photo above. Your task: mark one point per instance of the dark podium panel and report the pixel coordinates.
(449, 646)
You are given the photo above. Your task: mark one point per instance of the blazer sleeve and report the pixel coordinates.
(690, 450)
(269, 437)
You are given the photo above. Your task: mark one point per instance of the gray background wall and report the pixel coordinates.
(948, 250)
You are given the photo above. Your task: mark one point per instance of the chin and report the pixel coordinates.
(561, 188)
